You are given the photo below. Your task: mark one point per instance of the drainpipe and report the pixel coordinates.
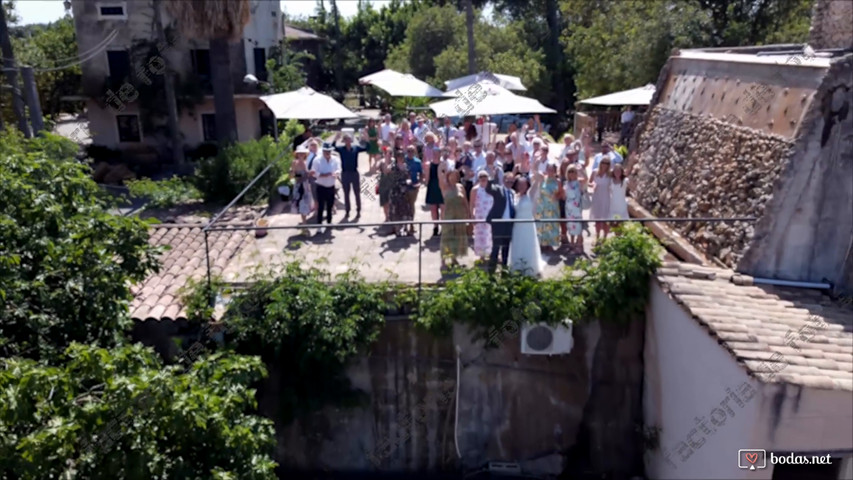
(787, 283)
(456, 420)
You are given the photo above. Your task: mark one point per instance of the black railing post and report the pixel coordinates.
(211, 299)
(420, 259)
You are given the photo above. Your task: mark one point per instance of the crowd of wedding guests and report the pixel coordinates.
(468, 173)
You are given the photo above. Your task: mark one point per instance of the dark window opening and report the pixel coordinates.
(128, 128)
(114, 11)
(267, 120)
(201, 63)
(119, 65)
(261, 64)
(208, 127)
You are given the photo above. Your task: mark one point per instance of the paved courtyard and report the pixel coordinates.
(374, 251)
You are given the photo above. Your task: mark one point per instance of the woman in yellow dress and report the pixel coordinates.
(454, 237)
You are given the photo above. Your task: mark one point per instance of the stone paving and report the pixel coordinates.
(374, 251)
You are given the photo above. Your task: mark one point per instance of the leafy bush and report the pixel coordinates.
(66, 264)
(109, 414)
(222, 177)
(613, 287)
(309, 325)
(163, 193)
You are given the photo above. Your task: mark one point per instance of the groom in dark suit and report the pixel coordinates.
(502, 208)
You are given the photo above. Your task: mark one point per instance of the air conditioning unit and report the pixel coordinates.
(543, 339)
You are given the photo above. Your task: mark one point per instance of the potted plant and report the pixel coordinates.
(261, 231)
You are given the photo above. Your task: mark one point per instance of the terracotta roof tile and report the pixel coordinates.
(159, 296)
(779, 334)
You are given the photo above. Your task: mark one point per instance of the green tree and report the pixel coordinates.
(624, 44)
(51, 49)
(750, 22)
(109, 414)
(66, 263)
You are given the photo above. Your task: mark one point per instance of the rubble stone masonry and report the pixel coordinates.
(832, 24)
(693, 166)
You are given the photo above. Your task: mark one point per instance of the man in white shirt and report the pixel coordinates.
(627, 119)
(326, 170)
(516, 146)
(386, 130)
(479, 156)
(493, 168)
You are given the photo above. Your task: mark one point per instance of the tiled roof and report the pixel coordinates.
(293, 33)
(780, 334)
(159, 296)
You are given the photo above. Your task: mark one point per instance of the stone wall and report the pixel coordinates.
(691, 166)
(832, 24)
(577, 413)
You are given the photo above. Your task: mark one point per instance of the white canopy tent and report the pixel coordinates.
(486, 98)
(306, 104)
(635, 96)
(506, 81)
(400, 84)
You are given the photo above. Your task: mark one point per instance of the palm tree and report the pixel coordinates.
(169, 90)
(220, 22)
(469, 25)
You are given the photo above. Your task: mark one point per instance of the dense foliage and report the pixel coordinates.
(163, 193)
(614, 288)
(65, 262)
(309, 325)
(499, 48)
(107, 409)
(110, 414)
(221, 178)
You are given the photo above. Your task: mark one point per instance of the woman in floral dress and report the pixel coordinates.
(400, 209)
(575, 187)
(548, 191)
(481, 204)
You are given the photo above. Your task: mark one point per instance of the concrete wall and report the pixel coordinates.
(832, 24)
(580, 409)
(807, 232)
(707, 407)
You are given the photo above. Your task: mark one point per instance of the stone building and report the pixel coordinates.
(123, 66)
(753, 349)
(763, 133)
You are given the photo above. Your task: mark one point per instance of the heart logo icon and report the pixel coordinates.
(752, 457)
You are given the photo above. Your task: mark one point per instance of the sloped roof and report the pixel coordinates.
(780, 334)
(293, 33)
(159, 296)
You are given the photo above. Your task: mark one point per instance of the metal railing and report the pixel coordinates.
(212, 227)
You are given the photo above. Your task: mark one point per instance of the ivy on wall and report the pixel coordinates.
(310, 324)
(613, 287)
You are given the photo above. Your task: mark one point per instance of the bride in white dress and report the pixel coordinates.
(524, 254)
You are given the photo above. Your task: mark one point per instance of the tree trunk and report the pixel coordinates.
(169, 90)
(11, 71)
(556, 57)
(339, 69)
(223, 91)
(469, 25)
